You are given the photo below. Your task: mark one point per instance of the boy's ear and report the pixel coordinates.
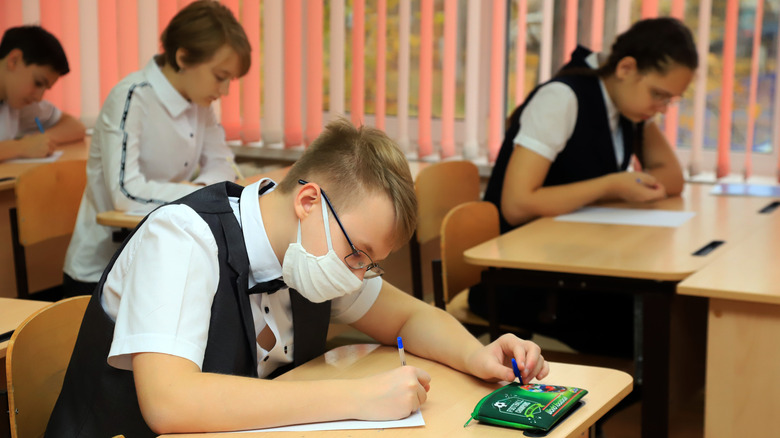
(307, 197)
(12, 60)
(626, 67)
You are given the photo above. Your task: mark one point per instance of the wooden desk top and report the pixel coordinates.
(78, 150)
(453, 395)
(119, 219)
(13, 312)
(657, 253)
(748, 271)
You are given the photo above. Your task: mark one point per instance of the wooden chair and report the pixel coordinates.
(439, 187)
(465, 226)
(37, 357)
(47, 203)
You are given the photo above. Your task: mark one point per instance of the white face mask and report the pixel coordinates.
(318, 278)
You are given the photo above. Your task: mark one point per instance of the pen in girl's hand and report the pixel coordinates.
(517, 371)
(401, 351)
(652, 186)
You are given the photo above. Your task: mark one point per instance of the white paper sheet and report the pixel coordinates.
(628, 216)
(50, 159)
(734, 189)
(414, 420)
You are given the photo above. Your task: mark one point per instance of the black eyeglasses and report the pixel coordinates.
(357, 259)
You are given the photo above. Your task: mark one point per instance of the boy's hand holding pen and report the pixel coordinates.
(517, 371)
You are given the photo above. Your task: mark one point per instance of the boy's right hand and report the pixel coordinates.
(36, 146)
(637, 187)
(393, 394)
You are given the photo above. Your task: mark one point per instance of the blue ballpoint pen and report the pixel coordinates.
(517, 371)
(40, 126)
(401, 351)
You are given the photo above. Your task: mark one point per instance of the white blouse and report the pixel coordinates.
(147, 139)
(548, 121)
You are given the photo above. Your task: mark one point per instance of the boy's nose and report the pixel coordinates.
(224, 88)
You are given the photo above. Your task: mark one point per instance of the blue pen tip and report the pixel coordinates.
(400, 343)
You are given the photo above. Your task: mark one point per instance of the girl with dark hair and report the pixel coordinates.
(570, 143)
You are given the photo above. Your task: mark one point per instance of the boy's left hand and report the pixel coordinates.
(493, 362)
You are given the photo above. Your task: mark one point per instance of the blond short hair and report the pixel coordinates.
(351, 163)
(201, 28)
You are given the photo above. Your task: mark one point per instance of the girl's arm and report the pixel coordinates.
(523, 198)
(217, 158)
(658, 159)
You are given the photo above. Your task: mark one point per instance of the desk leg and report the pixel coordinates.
(489, 280)
(656, 342)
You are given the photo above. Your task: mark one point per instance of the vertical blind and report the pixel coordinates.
(436, 74)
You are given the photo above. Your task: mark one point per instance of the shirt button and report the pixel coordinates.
(186, 163)
(265, 359)
(267, 309)
(192, 135)
(285, 349)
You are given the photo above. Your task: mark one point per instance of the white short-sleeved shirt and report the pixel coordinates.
(548, 121)
(162, 286)
(147, 138)
(15, 123)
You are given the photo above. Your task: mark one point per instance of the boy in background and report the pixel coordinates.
(31, 61)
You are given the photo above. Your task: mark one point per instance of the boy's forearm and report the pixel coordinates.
(434, 334)
(10, 149)
(192, 401)
(67, 130)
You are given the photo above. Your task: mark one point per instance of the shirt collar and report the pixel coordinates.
(262, 260)
(612, 112)
(171, 99)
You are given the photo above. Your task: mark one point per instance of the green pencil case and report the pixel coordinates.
(530, 407)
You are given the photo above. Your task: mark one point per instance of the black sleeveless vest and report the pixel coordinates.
(98, 400)
(589, 152)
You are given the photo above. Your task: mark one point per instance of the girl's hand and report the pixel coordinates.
(636, 187)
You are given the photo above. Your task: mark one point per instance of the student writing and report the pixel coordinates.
(230, 284)
(156, 138)
(31, 62)
(570, 144)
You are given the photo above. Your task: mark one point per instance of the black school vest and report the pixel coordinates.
(588, 154)
(100, 401)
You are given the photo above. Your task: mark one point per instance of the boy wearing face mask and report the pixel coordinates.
(229, 284)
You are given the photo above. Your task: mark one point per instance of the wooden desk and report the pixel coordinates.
(743, 358)
(646, 261)
(119, 219)
(453, 395)
(44, 261)
(13, 312)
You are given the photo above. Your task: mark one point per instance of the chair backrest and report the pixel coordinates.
(440, 187)
(465, 226)
(36, 360)
(47, 200)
